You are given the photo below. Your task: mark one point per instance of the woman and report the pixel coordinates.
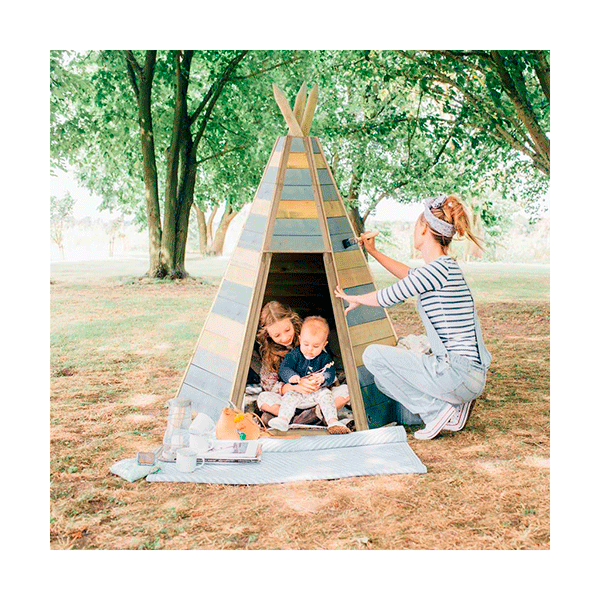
(440, 387)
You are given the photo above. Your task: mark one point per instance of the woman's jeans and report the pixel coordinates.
(424, 383)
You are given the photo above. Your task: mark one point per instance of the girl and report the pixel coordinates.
(278, 333)
(440, 387)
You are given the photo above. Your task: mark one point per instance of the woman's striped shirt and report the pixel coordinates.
(446, 299)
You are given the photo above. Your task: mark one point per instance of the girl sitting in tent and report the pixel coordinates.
(440, 387)
(278, 333)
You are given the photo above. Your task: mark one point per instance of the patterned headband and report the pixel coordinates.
(438, 225)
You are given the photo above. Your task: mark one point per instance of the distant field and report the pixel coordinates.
(490, 282)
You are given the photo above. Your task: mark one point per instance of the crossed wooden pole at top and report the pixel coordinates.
(300, 118)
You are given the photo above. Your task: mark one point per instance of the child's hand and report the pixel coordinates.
(294, 379)
(317, 378)
(306, 386)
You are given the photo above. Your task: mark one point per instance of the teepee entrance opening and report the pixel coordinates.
(299, 281)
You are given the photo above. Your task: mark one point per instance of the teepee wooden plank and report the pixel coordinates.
(297, 209)
(358, 350)
(369, 331)
(297, 243)
(329, 192)
(228, 328)
(208, 382)
(219, 365)
(297, 177)
(241, 275)
(297, 227)
(297, 144)
(219, 345)
(334, 209)
(260, 207)
(297, 192)
(354, 277)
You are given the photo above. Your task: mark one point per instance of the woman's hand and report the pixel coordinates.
(352, 304)
(367, 242)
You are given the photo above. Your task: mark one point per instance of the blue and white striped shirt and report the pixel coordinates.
(446, 299)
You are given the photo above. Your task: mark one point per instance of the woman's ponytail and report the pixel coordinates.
(453, 211)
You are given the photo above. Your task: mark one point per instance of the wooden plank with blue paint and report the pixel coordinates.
(339, 225)
(251, 240)
(329, 193)
(270, 175)
(297, 177)
(230, 308)
(297, 192)
(297, 243)
(208, 382)
(219, 365)
(297, 145)
(234, 291)
(255, 222)
(324, 177)
(266, 191)
(203, 402)
(315, 145)
(302, 227)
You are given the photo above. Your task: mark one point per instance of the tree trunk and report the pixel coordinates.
(202, 229)
(352, 206)
(141, 80)
(218, 241)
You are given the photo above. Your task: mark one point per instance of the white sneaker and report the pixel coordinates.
(279, 424)
(460, 418)
(434, 427)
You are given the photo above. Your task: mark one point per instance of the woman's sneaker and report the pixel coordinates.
(463, 411)
(434, 427)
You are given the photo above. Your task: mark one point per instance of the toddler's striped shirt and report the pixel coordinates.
(446, 299)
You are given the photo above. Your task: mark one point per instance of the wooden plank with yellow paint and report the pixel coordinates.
(241, 275)
(369, 332)
(245, 258)
(359, 349)
(275, 159)
(228, 328)
(334, 209)
(349, 259)
(297, 209)
(220, 345)
(260, 206)
(354, 276)
(299, 160)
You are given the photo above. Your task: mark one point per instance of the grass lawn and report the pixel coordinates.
(119, 347)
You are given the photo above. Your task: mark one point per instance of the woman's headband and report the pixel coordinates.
(438, 225)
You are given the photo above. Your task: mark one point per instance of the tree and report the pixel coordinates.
(61, 209)
(507, 94)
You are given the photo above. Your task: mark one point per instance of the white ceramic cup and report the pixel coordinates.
(186, 460)
(201, 443)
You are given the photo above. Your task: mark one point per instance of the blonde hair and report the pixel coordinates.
(453, 211)
(272, 353)
(316, 323)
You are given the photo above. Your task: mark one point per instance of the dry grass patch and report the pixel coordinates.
(118, 353)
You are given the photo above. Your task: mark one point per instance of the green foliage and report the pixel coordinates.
(393, 124)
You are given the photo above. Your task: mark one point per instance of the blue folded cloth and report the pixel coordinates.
(129, 469)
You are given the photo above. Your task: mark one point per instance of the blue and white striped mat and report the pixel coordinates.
(383, 451)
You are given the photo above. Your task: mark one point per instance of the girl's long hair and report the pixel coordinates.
(271, 353)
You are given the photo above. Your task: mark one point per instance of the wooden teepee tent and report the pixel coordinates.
(291, 249)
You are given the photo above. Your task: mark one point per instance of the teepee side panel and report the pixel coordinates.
(366, 325)
(209, 381)
(297, 226)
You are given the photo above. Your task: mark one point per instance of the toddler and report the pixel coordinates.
(309, 361)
